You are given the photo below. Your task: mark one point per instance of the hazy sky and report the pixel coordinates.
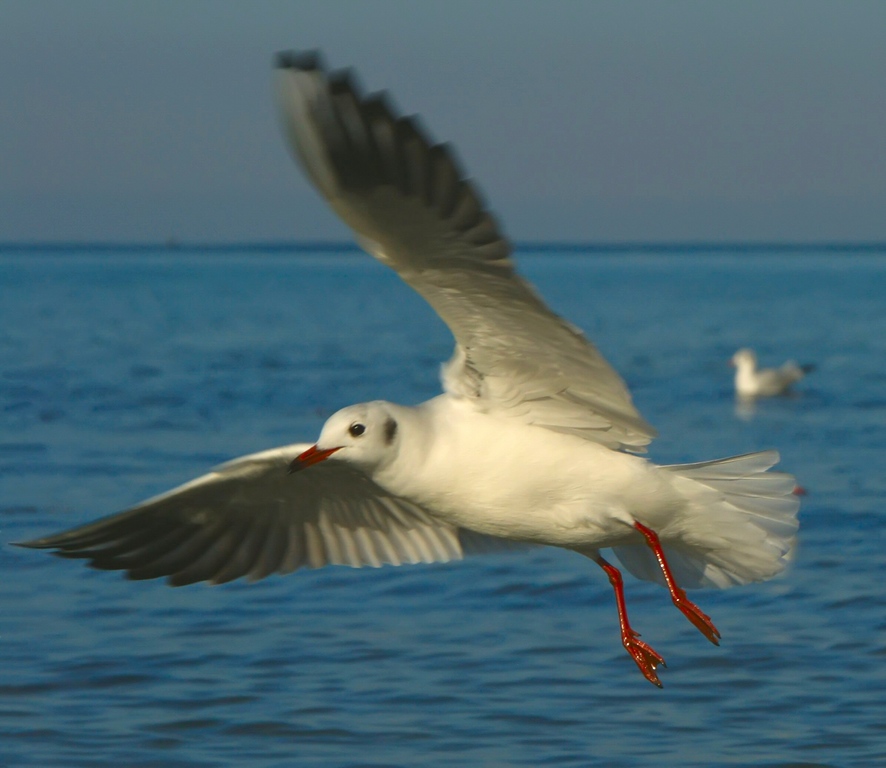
(624, 120)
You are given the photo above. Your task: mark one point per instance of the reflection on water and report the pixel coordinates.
(745, 407)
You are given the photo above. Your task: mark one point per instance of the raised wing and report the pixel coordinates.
(251, 518)
(412, 208)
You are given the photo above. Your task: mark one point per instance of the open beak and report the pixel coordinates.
(313, 455)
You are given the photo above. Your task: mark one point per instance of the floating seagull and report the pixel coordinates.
(765, 382)
(532, 442)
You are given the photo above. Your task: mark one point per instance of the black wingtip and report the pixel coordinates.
(33, 544)
(53, 541)
(345, 81)
(304, 61)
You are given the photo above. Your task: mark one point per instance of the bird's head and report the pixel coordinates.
(744, 358)
(366, 434)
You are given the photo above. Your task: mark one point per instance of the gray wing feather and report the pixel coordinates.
(251, 518)
(411, 206)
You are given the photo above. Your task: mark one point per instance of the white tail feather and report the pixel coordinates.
(739, 525)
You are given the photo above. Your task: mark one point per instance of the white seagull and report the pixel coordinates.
(532, 442)
(751, 382)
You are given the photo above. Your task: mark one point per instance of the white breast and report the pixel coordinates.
(509, 479)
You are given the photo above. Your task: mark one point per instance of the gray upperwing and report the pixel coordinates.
(412, 207)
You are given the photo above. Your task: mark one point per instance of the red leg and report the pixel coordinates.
(690, 610)
(643, 655)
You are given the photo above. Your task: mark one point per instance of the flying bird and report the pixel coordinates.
(534, 441)
(752, 382)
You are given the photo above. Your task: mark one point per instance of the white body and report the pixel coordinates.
(724, 522)
(506, 479)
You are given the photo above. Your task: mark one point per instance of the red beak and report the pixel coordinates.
(311, 456)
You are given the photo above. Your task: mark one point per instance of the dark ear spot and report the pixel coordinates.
(390, 431)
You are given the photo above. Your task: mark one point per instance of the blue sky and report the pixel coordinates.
(612, 121)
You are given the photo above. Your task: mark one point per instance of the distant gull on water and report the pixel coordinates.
(752, 382)
(533, 441)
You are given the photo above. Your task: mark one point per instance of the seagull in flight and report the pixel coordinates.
(534, 441)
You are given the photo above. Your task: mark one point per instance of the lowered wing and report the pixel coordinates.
(250, 517)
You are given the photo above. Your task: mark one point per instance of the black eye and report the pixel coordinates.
(356, 429)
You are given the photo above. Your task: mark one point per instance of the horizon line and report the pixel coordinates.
(588, 246)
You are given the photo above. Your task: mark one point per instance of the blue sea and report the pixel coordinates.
(126, 371)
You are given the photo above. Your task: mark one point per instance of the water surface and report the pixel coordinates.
(123, 374)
